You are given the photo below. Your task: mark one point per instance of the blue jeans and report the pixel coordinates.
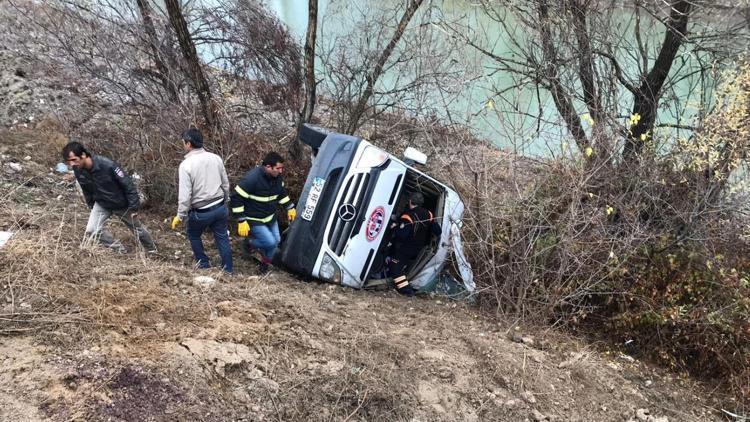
(217, 220)
(265, 238)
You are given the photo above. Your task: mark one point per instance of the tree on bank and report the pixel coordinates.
(373, 76)
(194, 64)
(592, 58)
(308, 102)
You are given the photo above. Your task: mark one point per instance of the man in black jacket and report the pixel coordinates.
(108, 190)
(413, 232)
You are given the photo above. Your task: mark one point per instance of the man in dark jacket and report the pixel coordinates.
(108, 190)
(254, 203)
(414, 229)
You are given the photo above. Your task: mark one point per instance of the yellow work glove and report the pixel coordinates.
(291, 214)
(176, 222)
(243, 229)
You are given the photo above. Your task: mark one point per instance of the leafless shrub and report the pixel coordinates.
(246, 40)
(422, 67)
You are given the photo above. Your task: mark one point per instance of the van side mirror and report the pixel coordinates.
(413, 155)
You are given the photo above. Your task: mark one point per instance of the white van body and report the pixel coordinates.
(352, 193)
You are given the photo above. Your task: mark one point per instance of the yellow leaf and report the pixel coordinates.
(610, 210)
(587, 118)
(490, 104)
(589, 151)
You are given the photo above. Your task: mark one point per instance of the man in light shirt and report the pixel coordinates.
(203, 193)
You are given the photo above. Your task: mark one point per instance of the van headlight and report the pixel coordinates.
(329, 270)
(372, 157)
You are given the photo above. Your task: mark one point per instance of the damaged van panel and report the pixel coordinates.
(352, 193)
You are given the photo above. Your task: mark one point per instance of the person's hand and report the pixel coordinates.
(243, 228)
(291, 214)
(176, 222)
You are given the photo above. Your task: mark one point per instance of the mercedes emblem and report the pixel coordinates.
(347, 212)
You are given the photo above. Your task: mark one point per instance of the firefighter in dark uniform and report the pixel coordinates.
(413, 232)
(254, 202)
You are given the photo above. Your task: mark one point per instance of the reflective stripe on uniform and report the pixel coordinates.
(406, 217)
(262, 220)
(401, 284)
(241, 191)
(237, 210)
(284, 201)
(244, 194)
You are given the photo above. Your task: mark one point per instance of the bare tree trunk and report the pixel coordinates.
(647, 95)
(177, 20)
(586, 74)
(562, 100)
(310, 83)
(166, 76)
(359, 108)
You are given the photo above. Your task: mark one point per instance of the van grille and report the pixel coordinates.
(354, 194)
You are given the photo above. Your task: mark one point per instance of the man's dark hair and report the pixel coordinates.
(193, 137)
(416, 198)
(272, 158)
(76, 148)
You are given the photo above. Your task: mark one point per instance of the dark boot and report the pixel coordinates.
(403, 286)
(406, 291)
(265, 265)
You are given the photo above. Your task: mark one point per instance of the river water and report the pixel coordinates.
(498, 106)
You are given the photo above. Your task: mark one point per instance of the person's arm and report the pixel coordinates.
(239, 197)
(285, 201)
(237, 203)
(435, 229)
(404, 229)
(224, 181)
(185, 191)
(434, 226)
(127, 185)
(88, 192)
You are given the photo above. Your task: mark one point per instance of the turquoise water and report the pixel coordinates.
(499, 106)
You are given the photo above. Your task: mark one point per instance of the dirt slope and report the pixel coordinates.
(89, 335)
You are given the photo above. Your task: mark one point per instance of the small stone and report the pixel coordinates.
(27, 158)
(538, 416)
(204, 281)
(627, 358)
(528, 396)
(445, 373)
(648, 383)
(511, 403)
(642, 415)
(15, 167)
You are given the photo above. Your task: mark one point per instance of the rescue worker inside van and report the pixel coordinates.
(413, 232)
(254, 203)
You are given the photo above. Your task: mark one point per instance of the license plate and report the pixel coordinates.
(312, 198)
